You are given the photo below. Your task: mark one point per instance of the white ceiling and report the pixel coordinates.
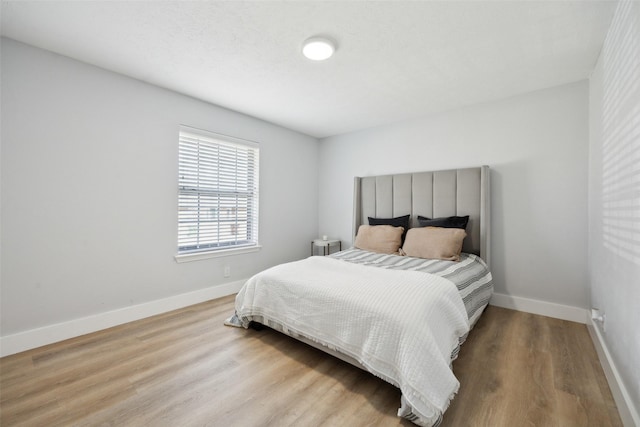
(396, 60)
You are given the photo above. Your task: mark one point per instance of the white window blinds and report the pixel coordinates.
(217, 192)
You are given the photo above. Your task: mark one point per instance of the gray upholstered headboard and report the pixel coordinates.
(431, 194)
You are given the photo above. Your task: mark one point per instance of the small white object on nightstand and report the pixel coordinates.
(326, 244)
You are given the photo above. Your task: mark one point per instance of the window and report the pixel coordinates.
(217, 193)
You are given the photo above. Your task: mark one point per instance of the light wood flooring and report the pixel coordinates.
(184, 368)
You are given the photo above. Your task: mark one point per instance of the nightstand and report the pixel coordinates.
(326, 245)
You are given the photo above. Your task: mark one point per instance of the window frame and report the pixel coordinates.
(187, 189)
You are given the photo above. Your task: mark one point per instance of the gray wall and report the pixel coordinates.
(89, 191)
(537, 147)
(614, 193)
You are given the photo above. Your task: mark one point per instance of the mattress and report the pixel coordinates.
(471, 274)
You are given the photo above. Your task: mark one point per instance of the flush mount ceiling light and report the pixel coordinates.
(318, 48)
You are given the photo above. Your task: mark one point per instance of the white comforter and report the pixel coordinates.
(401, 325)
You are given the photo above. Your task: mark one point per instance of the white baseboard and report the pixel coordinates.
(543, 308)
(38, 337)
(629, 412)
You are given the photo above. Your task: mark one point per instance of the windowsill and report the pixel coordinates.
(197, 256)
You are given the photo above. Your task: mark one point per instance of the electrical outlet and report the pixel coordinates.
(599, 317)
(227, 271)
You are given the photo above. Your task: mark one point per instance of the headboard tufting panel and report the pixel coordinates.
(431, 194)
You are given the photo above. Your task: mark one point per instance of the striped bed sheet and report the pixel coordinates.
(471, 274)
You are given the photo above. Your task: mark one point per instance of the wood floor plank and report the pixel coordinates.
(186, 368)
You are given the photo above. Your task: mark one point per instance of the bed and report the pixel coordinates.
(401, 317)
